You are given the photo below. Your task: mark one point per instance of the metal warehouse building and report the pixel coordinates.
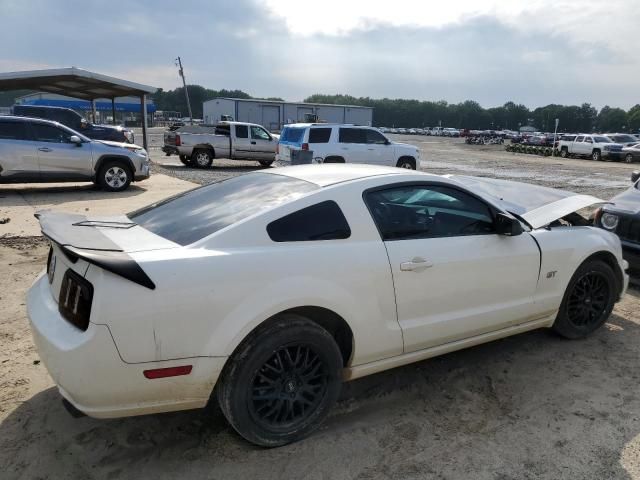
(274, 114)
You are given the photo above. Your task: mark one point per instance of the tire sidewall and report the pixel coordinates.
(563, 325)
(102, 181)
(237, 379)
(406, 161)
(194, 159)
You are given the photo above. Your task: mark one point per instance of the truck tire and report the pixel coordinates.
(185, 159)
(564, 153)
(114, 176)
(596, 155)
(281, 382)
(202, 158)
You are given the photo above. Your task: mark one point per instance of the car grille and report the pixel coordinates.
(629, 229)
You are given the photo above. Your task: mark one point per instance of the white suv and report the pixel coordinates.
(345, 144)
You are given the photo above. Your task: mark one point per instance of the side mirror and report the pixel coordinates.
(387, 142)
(507, 225)
(635, 176)
(75, 139)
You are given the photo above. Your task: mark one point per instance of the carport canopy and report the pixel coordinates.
(79, 83)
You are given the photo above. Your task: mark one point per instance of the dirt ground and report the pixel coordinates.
(530, 406)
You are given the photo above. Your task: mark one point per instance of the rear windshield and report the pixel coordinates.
(193, 215)
(292, 135)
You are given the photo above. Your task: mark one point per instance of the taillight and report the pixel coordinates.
(168, 372)
(305, 146)
(178, 142)
(74, 302)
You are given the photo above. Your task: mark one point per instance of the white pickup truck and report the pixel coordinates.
(598, 147)
(198, 146)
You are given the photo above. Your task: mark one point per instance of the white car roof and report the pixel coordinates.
(329, 174)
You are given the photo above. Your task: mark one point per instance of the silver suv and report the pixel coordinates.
(35, 150)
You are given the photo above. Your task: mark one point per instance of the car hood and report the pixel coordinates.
(538, 206)
(628, 201)
(118, 144)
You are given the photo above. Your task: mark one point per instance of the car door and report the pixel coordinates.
(58, 157)
(379, 149)
(262, 143)
(578, 145)
(242, 143)
(18, 153)
(454, 277)
(352, 144)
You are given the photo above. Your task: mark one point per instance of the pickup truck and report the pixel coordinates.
(598, 147)
(197, 146)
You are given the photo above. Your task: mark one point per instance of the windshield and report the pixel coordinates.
(193, 215)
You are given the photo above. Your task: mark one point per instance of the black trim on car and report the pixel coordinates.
(108, 157)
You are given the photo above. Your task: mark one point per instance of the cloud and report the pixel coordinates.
(534, 52)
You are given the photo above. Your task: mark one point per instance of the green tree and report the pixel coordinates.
(612, 120)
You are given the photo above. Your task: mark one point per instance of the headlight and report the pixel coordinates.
(609, 221)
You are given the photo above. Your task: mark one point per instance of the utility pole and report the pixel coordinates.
(184, 83)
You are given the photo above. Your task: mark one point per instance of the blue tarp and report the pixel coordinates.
(86, 105)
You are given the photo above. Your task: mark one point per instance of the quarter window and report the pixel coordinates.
(323, 221)
(13, 131)
(242, 131)
(319, 135)
(352, 135)
(412, 212)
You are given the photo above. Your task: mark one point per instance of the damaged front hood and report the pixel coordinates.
(538, 206)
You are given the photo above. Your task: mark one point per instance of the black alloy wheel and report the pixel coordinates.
(588, 300)
(288, 387)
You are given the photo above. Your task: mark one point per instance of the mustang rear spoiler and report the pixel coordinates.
(79, 237)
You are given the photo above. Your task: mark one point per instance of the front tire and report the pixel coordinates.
(185, 160)
(281, 382)
(406, 162)
(588, 300)
(596, 155)
(114, 176)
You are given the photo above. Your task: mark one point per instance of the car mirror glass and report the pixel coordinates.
(507, 225)
(75, 139)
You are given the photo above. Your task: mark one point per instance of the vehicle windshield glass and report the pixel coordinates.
(193, 215)
(601, 140)
(292, 135)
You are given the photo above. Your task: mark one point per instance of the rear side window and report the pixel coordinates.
(353, 135)
(323, 221)
(13, 131)
(319, 135)
(242, 131)
(191, 216)
(292, 135)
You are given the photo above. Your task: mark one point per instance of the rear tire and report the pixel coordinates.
(588, 300)
(406, 162)
(185, 160)
(201, 158)
(564, 153)
(114, 176)
(265, 163)
(281, 382)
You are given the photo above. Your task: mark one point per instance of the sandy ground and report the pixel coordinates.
(530, 406)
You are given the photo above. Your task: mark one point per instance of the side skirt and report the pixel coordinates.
(351, 373)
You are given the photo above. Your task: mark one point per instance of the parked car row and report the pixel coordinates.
(434, 131)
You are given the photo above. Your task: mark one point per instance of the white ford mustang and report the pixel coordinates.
(276, 286)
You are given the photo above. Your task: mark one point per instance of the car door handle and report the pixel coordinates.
(370, 149)
(416, 265)
(253, 143)
(44, 149)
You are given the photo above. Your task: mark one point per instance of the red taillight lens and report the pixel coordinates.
(178, 141)
(305, 146)
(168, 372)
(74, 302)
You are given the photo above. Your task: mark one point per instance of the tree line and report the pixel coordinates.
(470, 114)
(415, 113)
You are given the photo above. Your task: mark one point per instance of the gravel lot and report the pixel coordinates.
(530, 406)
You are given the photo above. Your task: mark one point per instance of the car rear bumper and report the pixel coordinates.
(89, 373)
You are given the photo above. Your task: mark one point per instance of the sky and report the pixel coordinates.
(534, 52)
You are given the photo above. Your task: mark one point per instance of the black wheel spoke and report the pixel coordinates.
(587, 303)
(288, 387)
